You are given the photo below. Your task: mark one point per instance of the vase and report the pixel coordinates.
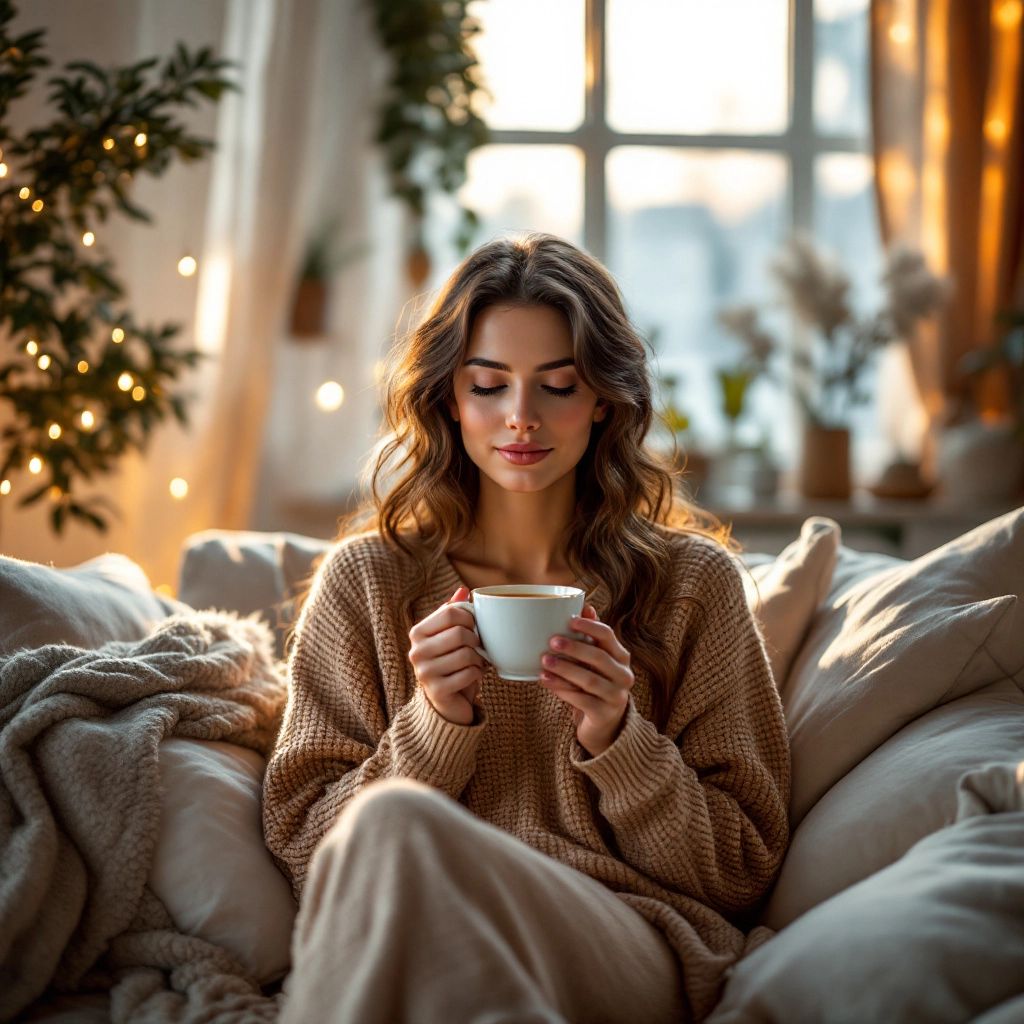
(309, 309)
(981, 462)
(825, 463)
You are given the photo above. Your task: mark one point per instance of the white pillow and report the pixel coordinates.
(212, 869)
(892, 641)
(784, 593)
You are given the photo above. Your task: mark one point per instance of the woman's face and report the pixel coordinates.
(518, 386)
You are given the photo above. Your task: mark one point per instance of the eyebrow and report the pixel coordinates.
(490, 364)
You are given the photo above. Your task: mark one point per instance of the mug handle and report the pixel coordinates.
(469, 608)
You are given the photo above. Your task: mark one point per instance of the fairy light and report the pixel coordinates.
(5, 487)
(126, 381)
(138, 392)
(24, 192)
(187, 266)
(56, 493)
(330, 395)
(3, 170)
(87, 419)
(55, 431)
(32, 348)
(117, 335)
(140, 139)
(35, 465)
(995, 130)
(88, 238)
(43, 362)
(83, 366)
(1008, 14)
(899, 33)
(179, 488)
(109, 143)
(38, 205)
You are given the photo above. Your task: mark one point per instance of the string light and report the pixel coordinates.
(330, 395)
(138, 392)
(32, 347)
(1008, 14)
(3, 170)
(179, 488)
(83, 366)
(87, 419)
(5, 486)
(55, 431)
(88, 238)
(140, 139)
(38, 205)
(43, 361)
(126, 382)
(109, 143)
(117, 335)
(24, 192)
(35, 465)
(995, 129)
(56, 493)
(187, 266)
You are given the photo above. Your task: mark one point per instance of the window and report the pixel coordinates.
(681, 142)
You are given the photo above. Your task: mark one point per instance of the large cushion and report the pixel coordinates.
(938, 936)
(106, 598)
(211, 868)
(896, 796)
(892, 641)
(249, 571)
(784, 593)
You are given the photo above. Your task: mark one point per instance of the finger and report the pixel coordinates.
(600, 687)
(573, 696)
(592, 655)
(454, 683)
(589, 612)
(450, 662)
(603, 635)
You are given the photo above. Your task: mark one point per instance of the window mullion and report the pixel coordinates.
(801, 126)
(595, 140)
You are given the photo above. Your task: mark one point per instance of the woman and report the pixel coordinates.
(467, 848)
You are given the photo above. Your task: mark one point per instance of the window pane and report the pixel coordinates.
(689, 232)
(694, 67)
(531, 53)
(512, 189)
(847, 226)
(841, 66)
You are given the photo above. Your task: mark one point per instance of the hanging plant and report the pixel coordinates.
(426, 122)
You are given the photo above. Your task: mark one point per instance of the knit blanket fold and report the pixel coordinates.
(80, 812)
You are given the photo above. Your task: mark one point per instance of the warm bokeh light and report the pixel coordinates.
(37, 205)
(32, 347)
(55, 431)
(179, 488)
(35, 465)
(24, 192)
(55, 493)
(108, 143)
(3, 170)
(87, 419)
(43, 362)
(164, 588)
(5, 486)
(117, 335)
(330, 395)
(995, 130)
(187, 266)
(900, 33)
(138, 392)
(140, 139)
(212, 302)
(1008, 14)
(88, 238)
(126, 381)
(83, 366)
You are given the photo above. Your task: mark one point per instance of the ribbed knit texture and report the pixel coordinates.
(688, 826)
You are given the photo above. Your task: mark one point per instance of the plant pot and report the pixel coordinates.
(309, 310)
(981, 463)
(825, 463)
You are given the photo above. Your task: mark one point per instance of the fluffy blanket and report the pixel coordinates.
(80, 808)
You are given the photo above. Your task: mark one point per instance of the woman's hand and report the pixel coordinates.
(594, 678)
(445, 662)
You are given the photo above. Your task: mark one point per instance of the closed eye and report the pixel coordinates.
(560, 392)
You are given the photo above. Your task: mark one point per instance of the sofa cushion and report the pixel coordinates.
(211, 868)
(249, 571)
(106, 598)
(784, 592)
(896, 796)
(892, 640)
(938, 936)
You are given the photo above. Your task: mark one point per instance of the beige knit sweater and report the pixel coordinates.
(688, 826)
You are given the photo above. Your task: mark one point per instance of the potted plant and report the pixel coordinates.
(829, 361)
(321, 261)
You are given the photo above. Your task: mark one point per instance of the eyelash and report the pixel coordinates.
(560, 392)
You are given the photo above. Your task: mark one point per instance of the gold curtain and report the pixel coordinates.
(947, 107)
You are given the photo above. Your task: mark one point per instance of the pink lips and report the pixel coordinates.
(523, 455)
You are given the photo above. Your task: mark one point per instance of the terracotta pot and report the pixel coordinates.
(825, 463)
(309, 310)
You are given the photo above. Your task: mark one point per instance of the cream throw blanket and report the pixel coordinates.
(80, 811)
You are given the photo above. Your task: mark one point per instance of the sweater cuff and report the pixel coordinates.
(430, 748)
(633, 768)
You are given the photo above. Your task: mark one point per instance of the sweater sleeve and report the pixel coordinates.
(335, 738)
(704, 811)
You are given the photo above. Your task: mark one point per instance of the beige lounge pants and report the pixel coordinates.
(416, 910)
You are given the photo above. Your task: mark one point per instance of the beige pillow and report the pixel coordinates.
(891, 642)
(784, 594)
(108, 597)
(938, 936)
(212, 870)
(901, 793)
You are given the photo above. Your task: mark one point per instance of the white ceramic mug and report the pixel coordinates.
(516, 620)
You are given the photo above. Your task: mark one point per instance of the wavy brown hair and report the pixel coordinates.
(421, 487)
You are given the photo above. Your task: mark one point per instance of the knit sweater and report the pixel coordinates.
(688, 826)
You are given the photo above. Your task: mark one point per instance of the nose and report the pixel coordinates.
(520, 416)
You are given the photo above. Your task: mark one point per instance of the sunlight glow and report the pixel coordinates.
(330, 395)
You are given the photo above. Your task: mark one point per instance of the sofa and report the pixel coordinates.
(901, 897)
